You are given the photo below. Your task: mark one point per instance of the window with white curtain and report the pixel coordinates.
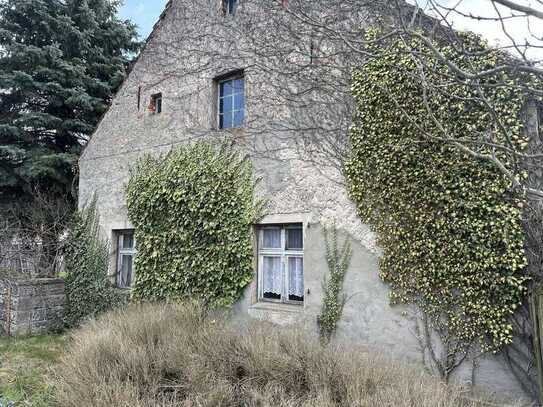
(126, 252)
(281, 264)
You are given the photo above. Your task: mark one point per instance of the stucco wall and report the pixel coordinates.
(296, 186)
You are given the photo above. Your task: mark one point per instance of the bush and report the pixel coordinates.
(89, 291)
(193, 210)
(148, 355)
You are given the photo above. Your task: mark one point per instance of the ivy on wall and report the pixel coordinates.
(193, 211)
(89, 291)
(448, 224)
(338, 260)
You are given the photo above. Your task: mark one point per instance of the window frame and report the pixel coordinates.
(219, 82)
(121, 251)
(284, 254)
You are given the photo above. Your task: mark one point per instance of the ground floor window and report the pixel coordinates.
(126, 252)
(281, 263)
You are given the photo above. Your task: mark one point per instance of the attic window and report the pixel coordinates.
(229, 7)
(155, 106)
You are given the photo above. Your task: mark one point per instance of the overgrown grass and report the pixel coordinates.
(149, 355)
(25, 369)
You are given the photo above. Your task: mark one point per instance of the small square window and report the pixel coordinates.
(126, 253)
(281, 264)
(156, 103)
(231, 106)
(229, 7)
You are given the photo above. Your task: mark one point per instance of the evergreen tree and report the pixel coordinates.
(60, 63)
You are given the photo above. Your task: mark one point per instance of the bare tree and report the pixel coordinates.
(31, 237)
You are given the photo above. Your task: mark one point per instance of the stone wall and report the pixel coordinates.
(30, 307)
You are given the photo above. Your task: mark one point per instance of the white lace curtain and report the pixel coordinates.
(272, 275)
(272, 239)
(296, 276)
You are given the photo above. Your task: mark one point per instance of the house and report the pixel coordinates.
(245, 71)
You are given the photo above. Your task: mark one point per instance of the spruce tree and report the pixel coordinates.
(60, 63)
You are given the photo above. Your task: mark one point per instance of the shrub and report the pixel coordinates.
(448, 223)
(147, 355)
(89, 291)
(193, 210)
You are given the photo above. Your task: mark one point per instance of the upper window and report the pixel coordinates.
(126, 252)
(229, 6)
(231, 102)
(281, 264)
(156, 103)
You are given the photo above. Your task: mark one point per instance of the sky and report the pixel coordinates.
(518, 28)
(146, 12)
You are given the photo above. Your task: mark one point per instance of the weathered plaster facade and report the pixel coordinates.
(299, 189)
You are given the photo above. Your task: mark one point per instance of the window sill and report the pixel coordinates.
(277, 307)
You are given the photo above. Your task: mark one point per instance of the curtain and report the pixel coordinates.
(295, 239)
(296, 278)
(271, 238)
(126, 271)
(271, 273)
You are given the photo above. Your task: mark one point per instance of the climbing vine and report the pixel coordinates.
(89, 291)
(449, 225)
(193, 210)
(338, 260)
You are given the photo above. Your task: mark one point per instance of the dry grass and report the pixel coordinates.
(153, 355)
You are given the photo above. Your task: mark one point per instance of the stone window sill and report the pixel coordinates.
(277, 307)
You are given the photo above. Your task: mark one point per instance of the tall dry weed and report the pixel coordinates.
(165, 355)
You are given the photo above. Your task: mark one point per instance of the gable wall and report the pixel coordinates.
(296, 186)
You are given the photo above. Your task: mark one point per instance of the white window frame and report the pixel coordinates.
(120, 234)
(219, 83)
(284, 254)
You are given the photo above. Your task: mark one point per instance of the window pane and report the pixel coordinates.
(239, 101)
(226, 122)
(295, 240)
(128, 241)
(159, 105)
(271, 238)
(226, 104)
(232, 6)
(296, 279)
(238, 86)
(126, 270)
(226, 88)
(272, 277)
(238, 118)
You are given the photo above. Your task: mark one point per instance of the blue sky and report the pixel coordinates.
(142, 12)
